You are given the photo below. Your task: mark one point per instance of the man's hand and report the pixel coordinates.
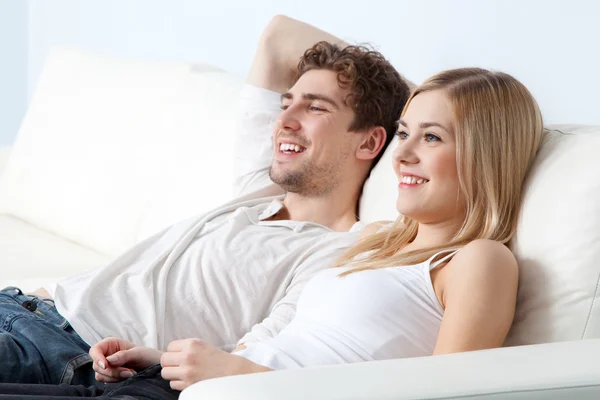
(192, 360)
(119, 359)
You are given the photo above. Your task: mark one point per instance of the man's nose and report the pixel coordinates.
(288, 119)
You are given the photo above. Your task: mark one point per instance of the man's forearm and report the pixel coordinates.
(281, 45)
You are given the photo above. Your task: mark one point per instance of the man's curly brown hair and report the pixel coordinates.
(377, 91)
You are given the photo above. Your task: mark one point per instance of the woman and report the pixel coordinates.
(438, 280)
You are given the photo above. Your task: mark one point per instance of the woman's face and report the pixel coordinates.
(425, 161)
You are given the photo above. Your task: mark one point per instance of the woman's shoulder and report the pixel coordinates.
(487, 247)
(485, 258)
(482, 266)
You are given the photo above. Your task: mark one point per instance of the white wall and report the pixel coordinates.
(549, 44)
(13, 67)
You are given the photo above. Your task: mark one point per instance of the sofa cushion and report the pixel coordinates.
(558, 241)
(558, 236)
(111, 151)
(31, 257)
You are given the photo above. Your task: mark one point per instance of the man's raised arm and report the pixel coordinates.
(281, 45)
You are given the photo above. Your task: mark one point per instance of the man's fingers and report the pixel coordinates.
(178, 385)
(171, 373)
(181, 345)
(106, 379)
(176, 345)
(97, 354)
(119, 358)
(105, 347)
(111, 375)
(169, 359)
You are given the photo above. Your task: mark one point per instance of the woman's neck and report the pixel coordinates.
(432, 235)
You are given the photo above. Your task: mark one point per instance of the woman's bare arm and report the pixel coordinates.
(479, 296)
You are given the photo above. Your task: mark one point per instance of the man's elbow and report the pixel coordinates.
(273, 35)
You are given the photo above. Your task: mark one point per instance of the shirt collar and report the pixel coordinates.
(276, 205)
(273, 208)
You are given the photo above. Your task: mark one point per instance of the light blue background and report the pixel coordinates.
(551, 45)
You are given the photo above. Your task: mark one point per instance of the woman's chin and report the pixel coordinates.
(405, 208)
(402, 211)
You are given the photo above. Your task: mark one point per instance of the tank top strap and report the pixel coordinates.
(433, 264)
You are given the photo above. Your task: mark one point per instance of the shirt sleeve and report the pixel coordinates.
(257, 113)
(319, 257)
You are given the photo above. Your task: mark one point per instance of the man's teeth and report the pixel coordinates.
(412, 180)
(291, 147)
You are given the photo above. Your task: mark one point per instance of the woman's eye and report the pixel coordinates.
(284, 106)
(402, 135)
(430, 137)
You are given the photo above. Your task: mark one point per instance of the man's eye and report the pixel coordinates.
(315, 108)
(402, 135)
(430, 137)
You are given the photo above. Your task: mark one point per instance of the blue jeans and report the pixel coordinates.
(146, 385)
(38, 345)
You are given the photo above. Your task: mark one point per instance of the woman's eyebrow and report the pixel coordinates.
(425, 125)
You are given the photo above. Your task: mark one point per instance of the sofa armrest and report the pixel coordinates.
(548, 371)
(4, 154)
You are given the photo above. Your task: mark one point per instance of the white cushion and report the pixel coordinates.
(31, 257)
(558, 236)
(111, 151)
(558, 241)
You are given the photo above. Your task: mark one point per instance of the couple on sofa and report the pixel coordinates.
(278, 282)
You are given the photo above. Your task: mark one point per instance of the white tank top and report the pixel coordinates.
(370, 315)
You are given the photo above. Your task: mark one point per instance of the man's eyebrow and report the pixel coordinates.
(326, 99)
(313, 96)
(425, 125)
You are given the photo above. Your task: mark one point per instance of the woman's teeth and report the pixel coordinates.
(412, 180)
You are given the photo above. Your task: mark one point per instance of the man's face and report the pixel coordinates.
(312, 144)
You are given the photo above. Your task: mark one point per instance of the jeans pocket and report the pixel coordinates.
(72, 365)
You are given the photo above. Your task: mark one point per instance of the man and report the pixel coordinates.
(235, 272)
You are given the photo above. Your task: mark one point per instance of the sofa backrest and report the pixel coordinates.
(111, 151)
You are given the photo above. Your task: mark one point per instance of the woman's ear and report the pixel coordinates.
(372, 143)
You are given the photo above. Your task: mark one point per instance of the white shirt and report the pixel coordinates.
(365, 316)
(224, 276)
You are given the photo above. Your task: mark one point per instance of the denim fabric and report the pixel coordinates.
(38, 345)
(147, 385)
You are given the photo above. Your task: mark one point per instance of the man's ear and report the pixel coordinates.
(372, 143)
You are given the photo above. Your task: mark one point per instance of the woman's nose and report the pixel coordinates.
(405, 153)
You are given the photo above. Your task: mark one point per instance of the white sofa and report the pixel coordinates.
(111, 151)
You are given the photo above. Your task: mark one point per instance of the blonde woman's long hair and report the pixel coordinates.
(499, 129)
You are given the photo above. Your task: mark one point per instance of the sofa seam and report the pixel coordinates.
(587, 321)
